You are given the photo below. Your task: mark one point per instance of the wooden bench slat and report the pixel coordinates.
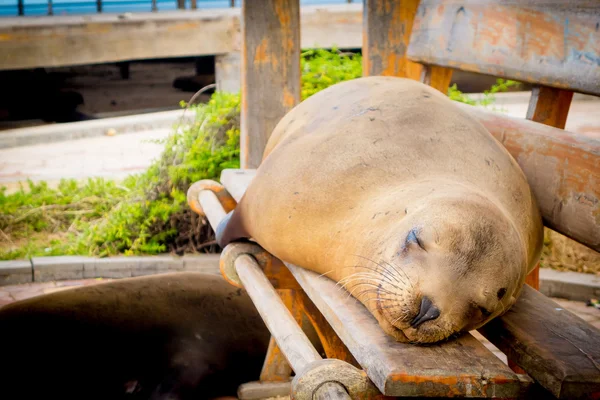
(460, 367)
(545, 42)
(557, 348)
(236, 181)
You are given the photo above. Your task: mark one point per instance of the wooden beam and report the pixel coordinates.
(387, 26)
(558, 349)
(437, 77)
(562, 168)
(66, 40)
(270, 71)
(332, 344)
(548, 106)
(538, 41)
(276, 368)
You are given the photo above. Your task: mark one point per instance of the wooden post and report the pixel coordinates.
(270, 71)
(154, 6)
(99, 6)
(21, 7)
(437, 77)
(50, 8)
(548, 106)
(181, 4)
(194, 4)
(387, 25)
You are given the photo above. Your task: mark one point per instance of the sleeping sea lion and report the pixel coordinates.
(388, 187)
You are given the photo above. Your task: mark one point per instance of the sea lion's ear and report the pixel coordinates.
(413, 240)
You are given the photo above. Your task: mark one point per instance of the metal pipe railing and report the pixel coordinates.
(293, 342)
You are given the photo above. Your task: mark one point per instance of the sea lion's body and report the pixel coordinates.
(172, 336)
(351, 171)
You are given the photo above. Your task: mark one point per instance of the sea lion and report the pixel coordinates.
(171, 336)
(388, 187)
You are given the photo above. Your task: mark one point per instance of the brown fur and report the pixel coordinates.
(172, 336)
(348, 173)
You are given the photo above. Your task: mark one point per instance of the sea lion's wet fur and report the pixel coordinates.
(389, 188)
(170, 336)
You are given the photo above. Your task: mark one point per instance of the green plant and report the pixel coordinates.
(501, 85)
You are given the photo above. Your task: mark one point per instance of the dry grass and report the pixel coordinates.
(564, 254)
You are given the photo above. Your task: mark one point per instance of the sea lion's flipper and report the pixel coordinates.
(230, 229)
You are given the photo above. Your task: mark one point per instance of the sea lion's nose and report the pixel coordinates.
(427, 312)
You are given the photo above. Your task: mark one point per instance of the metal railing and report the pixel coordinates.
(100, 6)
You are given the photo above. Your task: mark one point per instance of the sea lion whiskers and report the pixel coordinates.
(384, 268)
(395, 268)
(368, 275)
(375, 272)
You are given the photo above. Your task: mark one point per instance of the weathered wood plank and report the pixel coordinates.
(387, 25)
(296, 347)
(263, 390)
(461, 367)
(545, 42)
(549, 106)
(31, 42)
(562, 168)
(437, 77)
(276, 368)
(557, 348)
(270, 71)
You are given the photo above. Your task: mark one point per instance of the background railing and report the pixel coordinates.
(13, 8)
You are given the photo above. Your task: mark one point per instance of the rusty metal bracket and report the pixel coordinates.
(356, 382)
(227, 201)
(232, 251)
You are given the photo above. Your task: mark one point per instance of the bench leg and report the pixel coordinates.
(332, 344)
(548, 106)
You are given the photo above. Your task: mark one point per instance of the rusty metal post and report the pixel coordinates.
(387, 25)
(270, 71)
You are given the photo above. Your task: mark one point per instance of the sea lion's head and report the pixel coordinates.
(449, 265)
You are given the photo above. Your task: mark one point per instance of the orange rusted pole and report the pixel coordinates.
(270, 71)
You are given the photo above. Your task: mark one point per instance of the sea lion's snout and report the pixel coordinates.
(427, 312)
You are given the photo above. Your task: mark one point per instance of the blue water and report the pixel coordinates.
(9, 8)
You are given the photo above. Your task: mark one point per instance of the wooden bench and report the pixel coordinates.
(553, 352)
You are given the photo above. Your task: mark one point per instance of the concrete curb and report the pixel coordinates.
(93, 128)
(569, 285)
(46, 269)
